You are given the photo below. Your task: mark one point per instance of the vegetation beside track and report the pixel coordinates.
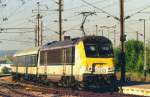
(134, 58)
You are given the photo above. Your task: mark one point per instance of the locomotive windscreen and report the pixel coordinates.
(98, 48)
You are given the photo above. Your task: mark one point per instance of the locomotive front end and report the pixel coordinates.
(99, 63)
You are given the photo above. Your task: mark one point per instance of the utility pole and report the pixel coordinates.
(145, 64)
(108, 32)
(137, 36)
(145, 67)
(114, 38)
(122, 39)
(41, 37)
(60, 20)
(107, 27)
(38, 25)
(96, 30)
(102, 29)
(102, 32)
(35, 35)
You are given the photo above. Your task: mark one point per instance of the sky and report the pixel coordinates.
(22, 14)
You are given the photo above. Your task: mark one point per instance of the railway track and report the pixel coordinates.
(14, 90)
(5, 75)
(73, 92)
(4, 94)
(31, 89)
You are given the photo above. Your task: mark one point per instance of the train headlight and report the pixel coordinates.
(110, 69)
(90, 69)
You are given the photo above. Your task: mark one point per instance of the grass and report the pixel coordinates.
(134, 76)
(3, 74)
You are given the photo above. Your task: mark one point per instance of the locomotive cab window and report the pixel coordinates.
(105, 50)
(30, 60)
(91, 50)
(98, 50)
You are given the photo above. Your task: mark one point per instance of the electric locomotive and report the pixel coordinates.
(80, 62)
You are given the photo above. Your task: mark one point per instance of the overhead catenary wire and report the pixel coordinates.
(100, 9)
(17, 32)
(13, 23)
(137, 12)
(97, 2)
(14, 13)
(16, 40)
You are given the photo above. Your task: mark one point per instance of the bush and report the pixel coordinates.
(133, 56)
(5, 70)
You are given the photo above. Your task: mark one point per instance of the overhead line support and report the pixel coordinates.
(60, 20)
(122, 39)
(38, 25)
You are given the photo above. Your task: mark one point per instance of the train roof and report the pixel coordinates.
(28, 52)
(73, 42)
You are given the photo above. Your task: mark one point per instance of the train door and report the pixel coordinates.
(26, 63)
(16, 64)
(64, 61)
(68, 55)
(38, 63)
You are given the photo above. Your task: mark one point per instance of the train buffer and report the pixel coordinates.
(140, 89)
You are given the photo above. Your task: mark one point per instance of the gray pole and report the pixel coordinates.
(108, 32)
(114, 38)
(35, 35)
(41, 32)
(122, 39)
(145, 67)
(102, 32)
(137, 36)
(96, 30)
(38, 28)
(60, 20)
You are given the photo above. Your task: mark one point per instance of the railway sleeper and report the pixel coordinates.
(45, 81)
(67, 81)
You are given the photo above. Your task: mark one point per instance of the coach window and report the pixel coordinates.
(16, 61)
(24, 60)
(69, 55)
(41, 58)
(30, 60)
(21, 60)
(34, 59)
(55, 57)
(73, 54)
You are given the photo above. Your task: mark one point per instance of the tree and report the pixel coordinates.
(148, 57)
(117, 58)
(133, 56)
(5, 70)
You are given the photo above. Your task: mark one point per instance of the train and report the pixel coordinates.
(79, 62)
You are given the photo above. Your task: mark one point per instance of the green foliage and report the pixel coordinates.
(133, 56)
(117, 58)
(148, 58)
(5, 70)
